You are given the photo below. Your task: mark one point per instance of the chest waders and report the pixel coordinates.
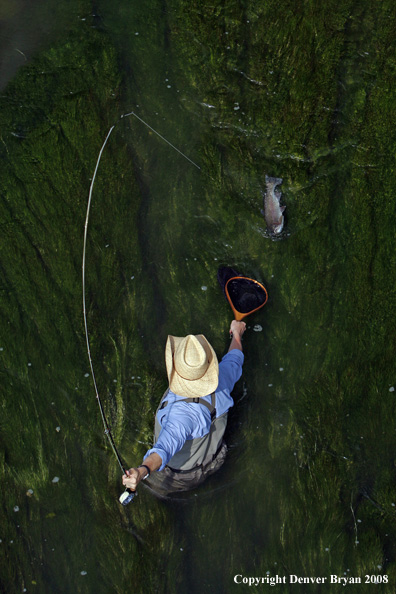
(200, 451)
(197, 459)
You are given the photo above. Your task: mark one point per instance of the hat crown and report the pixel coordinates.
(190, 359)
(191, 365)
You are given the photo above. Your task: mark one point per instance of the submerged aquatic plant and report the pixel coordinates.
(309, 456)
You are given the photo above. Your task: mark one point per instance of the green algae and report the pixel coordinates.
(53, 119)
(299, 90)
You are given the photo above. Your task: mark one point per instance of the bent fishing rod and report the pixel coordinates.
(128, 495)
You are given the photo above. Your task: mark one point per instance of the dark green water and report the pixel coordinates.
(300, 90)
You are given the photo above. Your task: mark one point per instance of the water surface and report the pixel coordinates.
(294, 90)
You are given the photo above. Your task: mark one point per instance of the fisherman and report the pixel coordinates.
(192, 415)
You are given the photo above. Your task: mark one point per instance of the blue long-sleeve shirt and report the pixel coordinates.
(180, 421)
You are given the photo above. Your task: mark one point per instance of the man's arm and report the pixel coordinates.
(236, 329)
(133, 476)
(170, 440)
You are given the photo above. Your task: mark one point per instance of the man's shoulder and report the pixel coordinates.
(234, 356)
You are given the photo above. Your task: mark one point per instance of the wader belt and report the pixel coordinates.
(200, 450)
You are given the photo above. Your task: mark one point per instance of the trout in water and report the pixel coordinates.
(273, 211)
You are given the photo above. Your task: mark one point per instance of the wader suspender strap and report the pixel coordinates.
(211, 407)
(198, 450)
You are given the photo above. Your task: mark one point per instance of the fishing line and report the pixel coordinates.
(158, 134)
(128, 495)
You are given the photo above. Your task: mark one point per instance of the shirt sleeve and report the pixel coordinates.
(230, 369)
(171, 439)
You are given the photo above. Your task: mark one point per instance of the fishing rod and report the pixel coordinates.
(128, 494)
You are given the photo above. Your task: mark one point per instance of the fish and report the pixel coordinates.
(273, 211)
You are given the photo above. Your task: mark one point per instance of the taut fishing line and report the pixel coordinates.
(162, 137)
(128, 495)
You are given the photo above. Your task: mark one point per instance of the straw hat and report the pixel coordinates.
(192, 366)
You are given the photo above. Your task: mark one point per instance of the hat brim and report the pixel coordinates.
(191, 388)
